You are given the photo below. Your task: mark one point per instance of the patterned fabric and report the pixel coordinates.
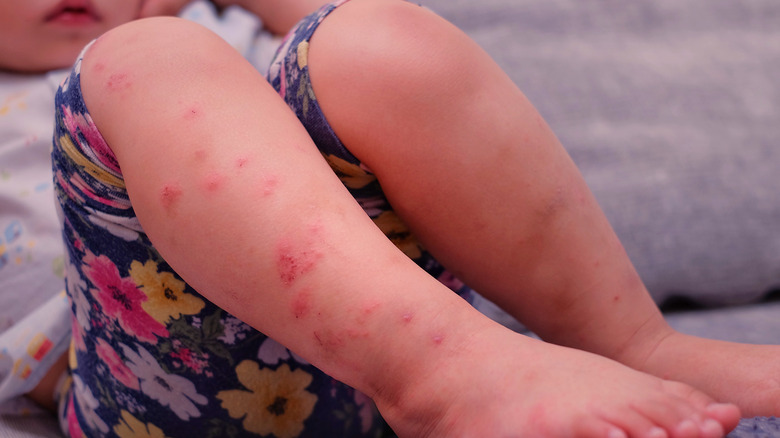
(152, 357)
(34, 323)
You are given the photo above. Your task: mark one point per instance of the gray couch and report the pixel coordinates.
(672, 110)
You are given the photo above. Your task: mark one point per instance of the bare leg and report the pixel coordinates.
(470, 165)
(205, 144)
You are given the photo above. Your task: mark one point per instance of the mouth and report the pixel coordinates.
(73, 12)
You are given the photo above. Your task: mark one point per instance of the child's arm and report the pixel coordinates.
(278, 16)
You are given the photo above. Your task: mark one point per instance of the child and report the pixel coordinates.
(38, 40)
(196, 154)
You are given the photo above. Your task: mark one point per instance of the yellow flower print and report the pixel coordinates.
(167, 299)
(131, 427)
(66, 143)
(351, 175)
(303, 54)
(398, 233)
(277, 401)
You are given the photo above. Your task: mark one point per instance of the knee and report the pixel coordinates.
(389, 44)
(149, 48)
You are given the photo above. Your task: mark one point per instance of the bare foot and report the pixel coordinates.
(506, 385)
(743, 374)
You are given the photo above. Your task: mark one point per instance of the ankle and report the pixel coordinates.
(640, 349)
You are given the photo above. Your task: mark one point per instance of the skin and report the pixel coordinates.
(576, 286)
(356, 307)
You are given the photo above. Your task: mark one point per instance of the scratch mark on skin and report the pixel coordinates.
(301, 304)
(329, 342)
(294, 263)
(169, 196)
(118, 82)
(296, 256)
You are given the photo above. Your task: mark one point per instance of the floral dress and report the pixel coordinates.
(152, 357)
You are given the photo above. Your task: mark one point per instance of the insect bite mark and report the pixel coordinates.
(169, 196)
(193, 112)
(118, 82)
(213, 182)
(241, 162)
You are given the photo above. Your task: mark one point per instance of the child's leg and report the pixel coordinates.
(235, 196)
(466, 160)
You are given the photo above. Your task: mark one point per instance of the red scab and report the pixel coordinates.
(192, 113)
(169, 196)
(118, 82)
(301, 304)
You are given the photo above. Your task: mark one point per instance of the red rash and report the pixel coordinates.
(293, 260)
(213, 182)
(169, 196)
(269, 184)
(293, 265)
(118, 82)
(301, 304)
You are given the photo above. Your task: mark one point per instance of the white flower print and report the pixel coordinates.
(235, 330)
(88, 405)
(124, 228)
(271, 352)
(76, 287)
(176, 392)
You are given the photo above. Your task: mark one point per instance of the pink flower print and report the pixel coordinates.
(77, 338)
(121, 299)
(82, 123)
(66, 187)
(74, 428)
(118, 369)
(451, 281)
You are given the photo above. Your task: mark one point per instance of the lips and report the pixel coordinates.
(73, 12)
